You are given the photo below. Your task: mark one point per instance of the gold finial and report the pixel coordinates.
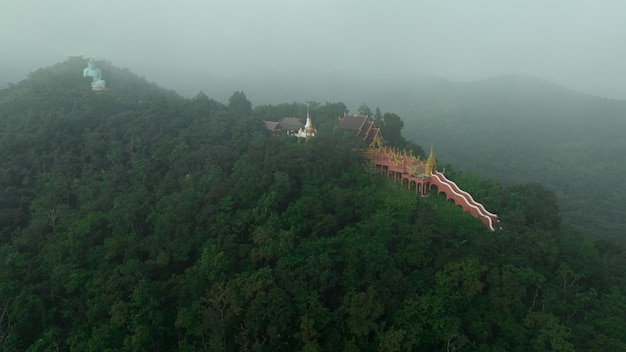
(430, 165)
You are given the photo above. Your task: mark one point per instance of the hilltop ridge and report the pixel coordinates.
(137, 219)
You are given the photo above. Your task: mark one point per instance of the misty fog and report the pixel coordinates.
(220, 46)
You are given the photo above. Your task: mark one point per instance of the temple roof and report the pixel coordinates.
(362, 125)
(365, 129)
(353, 122)
(271, 125)
(371, 136)
(290, 123)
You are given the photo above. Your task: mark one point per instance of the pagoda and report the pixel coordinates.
(308, 131)
(291, 126)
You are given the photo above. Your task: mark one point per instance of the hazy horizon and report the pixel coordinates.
(576, 44)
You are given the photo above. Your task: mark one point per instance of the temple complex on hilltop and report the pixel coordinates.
(291, 126)
(364, 128)
(406, 169)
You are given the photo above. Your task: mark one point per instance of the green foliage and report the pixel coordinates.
(392, 128)
(365, 110)
(134, 219)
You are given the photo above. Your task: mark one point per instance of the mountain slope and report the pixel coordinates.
(515, 128)
(134, 219)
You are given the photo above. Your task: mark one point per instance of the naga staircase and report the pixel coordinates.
(409, 170)
(464, 200)
(422, 176)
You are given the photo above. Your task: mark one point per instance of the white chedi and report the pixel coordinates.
(308, 130)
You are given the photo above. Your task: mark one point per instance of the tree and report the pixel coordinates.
(392, 128)
(378, 118)
(365, 110)
(548, 333)
(239, 105)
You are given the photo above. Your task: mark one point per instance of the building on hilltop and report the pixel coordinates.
(273, 128)
(291, 126)
(364, 128)
(288, 126)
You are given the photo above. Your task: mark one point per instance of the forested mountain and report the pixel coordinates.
(517, 129)
(135, 219)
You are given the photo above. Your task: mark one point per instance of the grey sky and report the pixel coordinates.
(578, 44)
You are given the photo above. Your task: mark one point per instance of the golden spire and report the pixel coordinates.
(430, 165)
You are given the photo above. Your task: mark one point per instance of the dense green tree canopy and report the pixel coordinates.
(134, 219)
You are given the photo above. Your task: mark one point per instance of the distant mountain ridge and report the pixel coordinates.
(520, 129)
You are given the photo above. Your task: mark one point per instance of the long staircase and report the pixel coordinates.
(463, 199)
(406, 168)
